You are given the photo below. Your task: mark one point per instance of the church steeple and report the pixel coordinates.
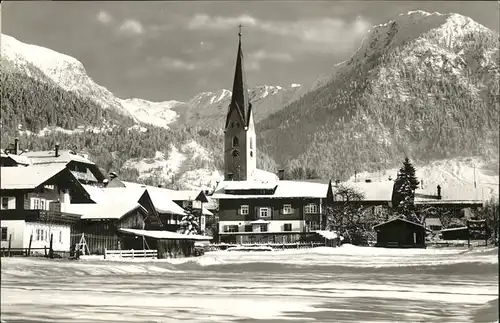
(239, 99)
(240, 147)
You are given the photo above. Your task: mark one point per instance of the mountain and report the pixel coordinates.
(210, 108)
(423, 85)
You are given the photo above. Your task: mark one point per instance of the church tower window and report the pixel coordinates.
(236, 142)
(251, 143)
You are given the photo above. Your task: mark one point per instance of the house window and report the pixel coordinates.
(287, 227)
(236, 142)
(264, 212)
(35, 203)
(313, 225)
(248, 228)
(4, 233)
(251, 143)
(41, 235)
(42, 204)
(263, 228)
(230, 228)
(60, 236)
(287, 209)
(5, 203)
(244, 210)
(311, 208)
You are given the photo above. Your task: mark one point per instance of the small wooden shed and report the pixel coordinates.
(400, 233)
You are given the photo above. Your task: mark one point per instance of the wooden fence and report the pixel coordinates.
(110, 254)
(303, 245)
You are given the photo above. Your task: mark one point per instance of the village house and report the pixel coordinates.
(34, 206)
(82, 168)
(186, 199)
(86, 171)
(120, 207)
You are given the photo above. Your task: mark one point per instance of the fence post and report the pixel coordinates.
(29, 246)
(45, 251)
(105, 250)
(10, 242)
(132, 253)
(51, 249)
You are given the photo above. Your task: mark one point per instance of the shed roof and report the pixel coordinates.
(455, 229)
(104, 211)
(398, 219)
(167, 235)
(12, 178)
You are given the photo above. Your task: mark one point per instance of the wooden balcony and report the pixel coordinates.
(40, 216)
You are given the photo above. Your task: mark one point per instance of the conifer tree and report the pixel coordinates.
(403, 195)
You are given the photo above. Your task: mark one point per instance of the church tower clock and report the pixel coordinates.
(240, 147)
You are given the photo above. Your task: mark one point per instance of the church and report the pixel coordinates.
(256, 206)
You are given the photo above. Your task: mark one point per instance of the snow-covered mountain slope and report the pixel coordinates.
(210, 108)
(423, 85)
(66, 71)
(70, 74)
(455, 176)
(156, 113)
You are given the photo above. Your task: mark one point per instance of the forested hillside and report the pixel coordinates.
(425, 98)
(34, 101)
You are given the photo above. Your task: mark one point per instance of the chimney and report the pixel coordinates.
(439, 192)
(16, 146)
(57, 150)
(229, 176)
(281, 174)
(337, 182)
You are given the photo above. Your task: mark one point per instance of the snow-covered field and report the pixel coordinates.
(456, 177)
(346, 284)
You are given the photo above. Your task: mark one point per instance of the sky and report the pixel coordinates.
(166, 50)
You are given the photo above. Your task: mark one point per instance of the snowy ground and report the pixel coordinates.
(346, 284)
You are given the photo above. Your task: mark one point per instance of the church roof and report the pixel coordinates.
(239, 98)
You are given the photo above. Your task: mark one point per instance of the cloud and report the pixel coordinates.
(131, 26)
(104, 17)
(322, 34)
(175, 64)
(264, 55)
(203, 21)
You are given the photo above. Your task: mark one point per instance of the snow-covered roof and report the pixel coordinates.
(374, 191)
(27, 177)
(113, 195)
(454, 229)
(49, 156)
(20, 159)
(168, 235)
(433, 221)
(330, 235)
(104, 211)
(248, 185)
(284, 189)
(160, 193)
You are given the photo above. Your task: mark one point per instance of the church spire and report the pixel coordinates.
(239, 98)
